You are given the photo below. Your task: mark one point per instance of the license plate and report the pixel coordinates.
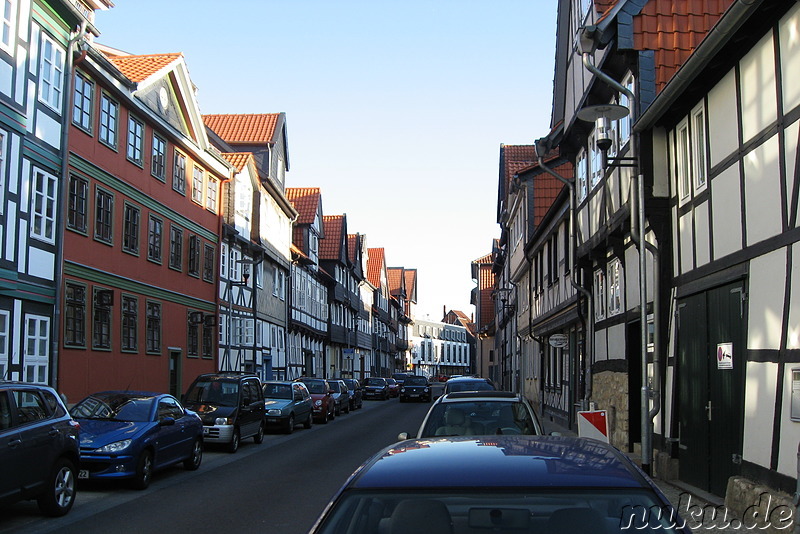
(271, 420)
(83, 474)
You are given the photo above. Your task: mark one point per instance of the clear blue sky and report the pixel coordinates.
(396, 109)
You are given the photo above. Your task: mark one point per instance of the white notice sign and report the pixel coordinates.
(725, 356)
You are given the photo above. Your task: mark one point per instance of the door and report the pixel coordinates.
(175, 373)
(171, 442)
(711, 366)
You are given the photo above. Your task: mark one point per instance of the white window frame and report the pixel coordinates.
(258, 273)
(682, 162)
(198, 179)
(43, 206)
(108, 133)
(8, 26)
(3, 160)
(582, 173)
(211, 194)
(699, 154)
(615, 287)
(135, 143)
(595, 162)
(5, 333)
(51, 73)
(599, 295)
(38, 358)
(624, 124)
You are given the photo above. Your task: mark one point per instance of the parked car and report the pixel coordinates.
(479, 413)
(322, 395)
(287, 404)
(394, 387)
(468, 383)
(376, 388)
(231, 406)
(132, 434)
(415, 388)
(456, 485)
(39, 451)
(400, 377)
(356, 393)
(341, 396)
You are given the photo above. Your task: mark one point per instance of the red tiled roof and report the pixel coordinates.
(375, 264)
(352, 243)
(139, 68)
(673, 29)
(488, 258)
(486, 284)
(411, 284)
(395, 276)
(239, 159)
(330, 246)
(248, 128)
(546, 189)
(514, 159)
(305, 201)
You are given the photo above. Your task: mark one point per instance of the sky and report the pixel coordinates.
(395, 109)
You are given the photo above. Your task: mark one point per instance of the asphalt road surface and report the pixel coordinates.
(278, 487)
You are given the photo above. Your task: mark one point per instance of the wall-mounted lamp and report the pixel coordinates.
(602, 115)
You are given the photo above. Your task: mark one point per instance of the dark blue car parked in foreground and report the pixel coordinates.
(501, 483)
(131, 434)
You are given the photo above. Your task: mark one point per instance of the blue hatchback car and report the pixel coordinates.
(504, 483)
(131, 434)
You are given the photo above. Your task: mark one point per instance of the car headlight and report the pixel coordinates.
(426, 390)
(113, 448)
(317, 403)
(273, 412)
(402, 390)
(221, 421)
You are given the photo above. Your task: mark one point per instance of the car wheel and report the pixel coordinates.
(233, 446)
(290, 424)
(309, 421)
(347, 408)
(193, 461)
(259, 437)
(59, 494)
(144, 470)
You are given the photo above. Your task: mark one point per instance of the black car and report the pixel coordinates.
(39, 450)
(376, 388)
(231, 406)
(415, 388)
(356, 393)
(468, 383)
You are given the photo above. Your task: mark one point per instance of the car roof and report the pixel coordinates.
(127, 393)
(484, 395)
(498, 461)
(469, 379)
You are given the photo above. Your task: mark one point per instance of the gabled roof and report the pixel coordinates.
(513, 159)
(395, 278)
(376, 263)
(239, 160)
(139, 68)
(330, 248)
(306, 201)
(352, 246)
(546, 187)
(411, 284)
(249, 128)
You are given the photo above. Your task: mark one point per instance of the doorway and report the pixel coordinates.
(175, 373)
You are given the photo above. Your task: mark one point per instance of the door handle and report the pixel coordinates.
(708, 410)
(53, 433)
(14, 443)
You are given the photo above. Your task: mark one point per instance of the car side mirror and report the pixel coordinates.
(167, 421)
(402, 436)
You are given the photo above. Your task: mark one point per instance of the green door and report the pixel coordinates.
(711, 365)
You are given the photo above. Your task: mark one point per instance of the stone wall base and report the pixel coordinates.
(610, 393)
(760, 508)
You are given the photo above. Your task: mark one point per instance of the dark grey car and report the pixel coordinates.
(39, 449)
(287, 404)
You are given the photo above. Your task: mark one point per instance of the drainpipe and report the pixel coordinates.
(66, 114)
(589, 357)
(646, 422)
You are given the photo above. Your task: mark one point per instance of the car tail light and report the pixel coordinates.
(74, 424)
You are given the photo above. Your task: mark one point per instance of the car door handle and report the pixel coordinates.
(53, 432)
(14, 443)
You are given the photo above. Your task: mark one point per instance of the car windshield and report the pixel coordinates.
(415, 381)
(375, 382)
(277, 391)
(499, 510)
(218, 392)
(316, 386)
(470, 385)
(478, 418)
(127, 408)
(351, 384)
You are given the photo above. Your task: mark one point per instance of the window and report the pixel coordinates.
(275, 286)
(179, 173)
(582, 173)
(211, 195)
(615, 287)
(4, 334)
(82, 102)
(554, 256)
(102, 319)
(682, 162)
(74, 315)
(566, 248)
(104, 214)
(43, 206)
(76, 210)
(135, 140)
(194, 255)
(258, 274)
(596, 162)
(3, 151)
(8, 28)
(223, 260)
(37, 348)
(197, 184)
(176, 248)
(208, 339)
(158, 164)
(154, 230)
(699, 148)
(51, 73)
(192, 338)
(130, 236)
(208, 263)
(599, 295)
(624, 124)
(153, 328)
(130, 309)
(109, 113)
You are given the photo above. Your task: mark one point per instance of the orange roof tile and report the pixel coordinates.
(674, 30)
(139, 68)
(411, 283)
(330, 247)
(514, 159)
(250, 128)
(239, 159)
(375, 264)
(352, 243)
(306, 201)
(395, 276)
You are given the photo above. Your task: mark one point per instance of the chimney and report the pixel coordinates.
(444, 311)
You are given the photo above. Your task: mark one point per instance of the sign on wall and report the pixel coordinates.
(725, 356)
